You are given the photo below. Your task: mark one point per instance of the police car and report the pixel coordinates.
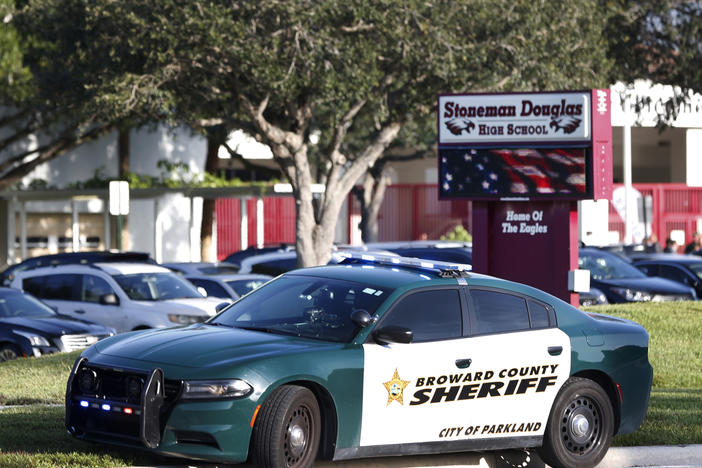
(375, 356)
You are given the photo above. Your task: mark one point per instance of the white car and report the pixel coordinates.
(124, 296)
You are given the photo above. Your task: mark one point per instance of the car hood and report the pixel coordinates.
(203, 345)
(648, 284)
(55, 326)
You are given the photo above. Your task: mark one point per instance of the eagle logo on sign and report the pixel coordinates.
(396, 388)
(457, 125)
(566, 123)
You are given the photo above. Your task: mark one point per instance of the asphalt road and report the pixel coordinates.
(687, 456)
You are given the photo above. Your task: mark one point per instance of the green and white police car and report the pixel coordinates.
(375, 356)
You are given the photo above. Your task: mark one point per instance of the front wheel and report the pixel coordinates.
(287, 430)
(580, 426)
(9, 352)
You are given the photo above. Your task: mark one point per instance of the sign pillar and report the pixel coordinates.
(525, 160)
(119, 205)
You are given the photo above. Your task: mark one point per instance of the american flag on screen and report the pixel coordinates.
(512, 172)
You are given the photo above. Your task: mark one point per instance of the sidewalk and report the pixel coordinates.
(680, 456)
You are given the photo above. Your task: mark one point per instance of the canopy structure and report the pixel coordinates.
(13, 208)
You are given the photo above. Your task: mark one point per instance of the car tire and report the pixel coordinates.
(580, 426)
(287, 430)
(9, 352)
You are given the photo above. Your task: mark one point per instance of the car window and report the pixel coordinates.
(211, 287)
(538, 314)
(497, 312)
(156, 286)
(65, 287)
(217, 269)
(697, 268)
(672, 273)
(650, 270)
(274, 267)
(431, 315)
(245, 286)
(603, 265)
(304, 306)
(94, 288)
(17, 304)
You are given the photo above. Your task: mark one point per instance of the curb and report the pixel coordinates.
(663, 456)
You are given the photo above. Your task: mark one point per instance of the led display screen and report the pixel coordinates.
(489, 173)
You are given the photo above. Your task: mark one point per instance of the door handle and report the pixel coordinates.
(463, 363)
(79, 311)
(555, 350)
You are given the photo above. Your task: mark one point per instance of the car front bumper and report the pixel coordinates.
(157, 420)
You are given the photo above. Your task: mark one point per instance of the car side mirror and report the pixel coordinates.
(393, 334)
(221, 306)
(361, 317)
(109, 299)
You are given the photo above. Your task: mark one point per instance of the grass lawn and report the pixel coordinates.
(35, 436)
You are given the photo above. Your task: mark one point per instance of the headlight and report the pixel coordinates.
(633, 295)
(215, 389)
(185, 319)
(34, 339)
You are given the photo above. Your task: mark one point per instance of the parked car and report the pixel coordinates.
(683, 269)
(202, 268)
(620, 281)
(370, 358)
(72, 257)
(237, 257)
(271, 264)
(29, 327)
(228, 286)
(445, 251)
(593, 297)
(124, 296)
(277, 263)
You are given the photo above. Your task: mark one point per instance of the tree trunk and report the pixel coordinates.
(214, 140)
(370, 196)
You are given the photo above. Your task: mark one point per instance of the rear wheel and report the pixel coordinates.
(580, 426)
(8, 352)
(287, 430)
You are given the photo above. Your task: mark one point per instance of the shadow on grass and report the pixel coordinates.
(674, 417)
(36, 430)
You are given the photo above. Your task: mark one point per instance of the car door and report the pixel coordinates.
(497, 383)
(110, 315)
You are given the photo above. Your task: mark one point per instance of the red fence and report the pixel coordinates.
(278, 223)
(674, 207)
(413, 211)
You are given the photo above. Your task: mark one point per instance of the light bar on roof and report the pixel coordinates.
(404, 261)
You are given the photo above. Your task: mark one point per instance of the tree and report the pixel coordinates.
(657, 40)
(284, 71)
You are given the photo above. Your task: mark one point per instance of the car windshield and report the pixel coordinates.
(309, 307)
(697, 268)
(604, 266)
(242, 287)
(16, 304)
(156, 286)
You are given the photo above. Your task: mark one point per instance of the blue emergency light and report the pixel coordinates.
(444, 267)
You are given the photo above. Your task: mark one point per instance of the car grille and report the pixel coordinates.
(75, 342)
(126, 386)
(99, 404)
